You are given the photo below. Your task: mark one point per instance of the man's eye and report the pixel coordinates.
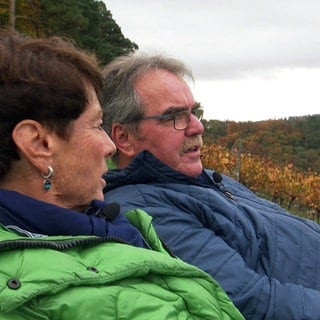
(168, 117)
(171, 116)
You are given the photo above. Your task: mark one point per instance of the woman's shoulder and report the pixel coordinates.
(96, 267)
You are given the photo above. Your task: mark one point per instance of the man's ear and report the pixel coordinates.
(122, 138)
(33, 142)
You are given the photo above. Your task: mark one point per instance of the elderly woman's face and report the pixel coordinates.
(80, 162)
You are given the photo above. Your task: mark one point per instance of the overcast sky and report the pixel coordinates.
(251, 59)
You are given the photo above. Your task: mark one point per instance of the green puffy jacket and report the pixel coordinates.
(87, 277)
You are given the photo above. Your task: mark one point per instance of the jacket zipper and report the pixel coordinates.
(57, 244)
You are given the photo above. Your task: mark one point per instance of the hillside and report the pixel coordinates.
(294, 140)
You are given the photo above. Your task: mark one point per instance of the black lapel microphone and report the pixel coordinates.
(217, 178)
(110, 211)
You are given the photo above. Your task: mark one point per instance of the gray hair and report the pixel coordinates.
(120, 101)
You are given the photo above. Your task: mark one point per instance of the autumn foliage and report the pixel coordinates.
(297, 191)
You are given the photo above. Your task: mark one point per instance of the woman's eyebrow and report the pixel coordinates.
(100, 113)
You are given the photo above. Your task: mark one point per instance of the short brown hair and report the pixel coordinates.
(44, 80)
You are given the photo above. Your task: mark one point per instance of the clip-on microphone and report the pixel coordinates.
(110, 211)
(217, 178)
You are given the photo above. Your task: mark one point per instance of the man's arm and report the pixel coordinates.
(257, 296)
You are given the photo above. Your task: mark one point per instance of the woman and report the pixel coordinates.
(65, 255)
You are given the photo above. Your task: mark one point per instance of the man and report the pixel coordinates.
(266, 259)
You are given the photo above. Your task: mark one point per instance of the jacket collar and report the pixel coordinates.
(146, 168)
(34, 218)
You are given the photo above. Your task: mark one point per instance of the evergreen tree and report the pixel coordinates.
(87, 22)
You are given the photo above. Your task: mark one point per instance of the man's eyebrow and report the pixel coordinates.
(197, 105)
(174, 109)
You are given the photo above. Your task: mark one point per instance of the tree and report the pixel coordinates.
(87, 22)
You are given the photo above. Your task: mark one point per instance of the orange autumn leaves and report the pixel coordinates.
(285, 185)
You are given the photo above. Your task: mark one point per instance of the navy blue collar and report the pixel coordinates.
(146, 168)
(18, 211)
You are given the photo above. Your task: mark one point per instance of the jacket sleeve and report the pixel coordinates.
(257, 295)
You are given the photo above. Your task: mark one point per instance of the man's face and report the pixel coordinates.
(163, 93)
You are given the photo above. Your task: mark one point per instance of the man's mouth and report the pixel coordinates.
(193, 145)
(193, 149)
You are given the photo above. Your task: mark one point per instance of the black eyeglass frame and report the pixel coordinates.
(197, 112)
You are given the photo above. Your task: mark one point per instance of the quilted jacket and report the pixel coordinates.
(102, 277)
(267, 260)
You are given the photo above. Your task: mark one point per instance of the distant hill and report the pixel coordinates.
(293, 140)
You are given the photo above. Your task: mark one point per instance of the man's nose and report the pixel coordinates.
(194, 127)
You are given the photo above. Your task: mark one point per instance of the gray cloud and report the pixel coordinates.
(235, 44)
(226, 38)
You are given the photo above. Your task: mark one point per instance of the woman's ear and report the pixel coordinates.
(122, 138)
(33, 142)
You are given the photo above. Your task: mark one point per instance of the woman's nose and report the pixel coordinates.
(110, 146)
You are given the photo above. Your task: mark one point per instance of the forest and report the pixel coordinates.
(278, 159)
(294, 140)
(88, 22)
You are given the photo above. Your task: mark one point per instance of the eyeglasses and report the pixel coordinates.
(180, 119)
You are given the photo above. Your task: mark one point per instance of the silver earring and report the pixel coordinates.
(47, 182)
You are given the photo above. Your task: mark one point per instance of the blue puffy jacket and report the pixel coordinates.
(267, 260)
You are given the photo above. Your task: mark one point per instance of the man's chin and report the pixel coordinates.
(99, 195)
(192, 170)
